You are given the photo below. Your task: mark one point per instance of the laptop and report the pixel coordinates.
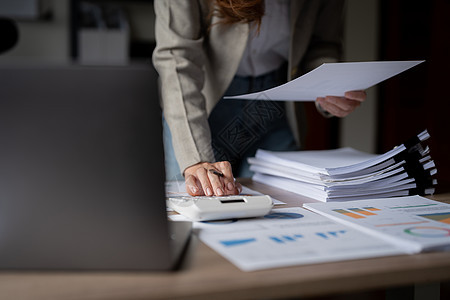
(82, 171)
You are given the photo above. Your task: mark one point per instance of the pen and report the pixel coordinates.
(215, 172)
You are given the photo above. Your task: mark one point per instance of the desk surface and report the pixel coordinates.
(207, 275)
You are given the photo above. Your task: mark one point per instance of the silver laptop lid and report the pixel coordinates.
(82, 169)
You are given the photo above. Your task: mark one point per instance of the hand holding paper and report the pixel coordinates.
(342, 106)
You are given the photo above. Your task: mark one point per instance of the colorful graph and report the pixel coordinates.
(278, 215)
(362, 211)
(357, 213)
(286, 238)
(440, 217)
(330, 234)
(372, 208)
(428, 231)
(231, 243)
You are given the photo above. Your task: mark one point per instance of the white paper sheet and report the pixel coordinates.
(333, 79)
(287, 237)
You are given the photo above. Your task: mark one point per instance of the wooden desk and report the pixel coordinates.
(206, 275)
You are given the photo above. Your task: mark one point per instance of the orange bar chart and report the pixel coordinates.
(371, 208)
(348, 213)
(358, 213)
(362, 211)
(440, 217)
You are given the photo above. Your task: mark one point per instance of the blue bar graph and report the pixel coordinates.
(331, 234)
(287, 215)
(286, 238)
(231, 243)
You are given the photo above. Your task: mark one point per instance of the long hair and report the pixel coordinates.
(239, 11)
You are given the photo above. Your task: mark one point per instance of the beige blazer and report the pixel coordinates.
(196, 62)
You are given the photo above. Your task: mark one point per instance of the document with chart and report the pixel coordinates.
(287, 237)
(413, 223)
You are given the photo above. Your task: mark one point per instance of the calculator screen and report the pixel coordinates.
(232, 200)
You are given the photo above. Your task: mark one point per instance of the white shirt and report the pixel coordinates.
(268, 50)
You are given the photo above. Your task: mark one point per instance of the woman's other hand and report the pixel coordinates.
(211, 179)
(342, 106)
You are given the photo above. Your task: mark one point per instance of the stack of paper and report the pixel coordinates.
(347, 174)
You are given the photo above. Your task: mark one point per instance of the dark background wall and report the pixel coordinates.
(408, 104)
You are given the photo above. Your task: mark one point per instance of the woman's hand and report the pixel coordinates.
(342, 106)
(211, 179)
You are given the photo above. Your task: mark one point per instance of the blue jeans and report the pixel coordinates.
(240, 127)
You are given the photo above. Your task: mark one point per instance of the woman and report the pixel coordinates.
(208, 48)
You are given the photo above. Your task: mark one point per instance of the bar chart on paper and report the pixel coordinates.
(331, 234)
(231, 243)
(357, 213)
(414, 223)
(364, 212)
(440, 217)
(286, 238)
(290, 236)
(285, 215)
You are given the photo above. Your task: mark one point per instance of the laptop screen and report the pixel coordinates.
(82, 169)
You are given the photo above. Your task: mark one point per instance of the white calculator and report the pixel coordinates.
(221, 207)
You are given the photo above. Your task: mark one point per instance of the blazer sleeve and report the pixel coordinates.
(326, 44)
(179, 58)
